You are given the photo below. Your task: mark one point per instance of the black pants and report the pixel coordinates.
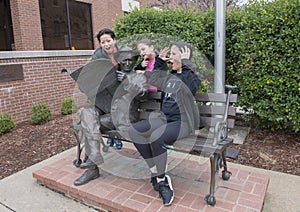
(151, 136)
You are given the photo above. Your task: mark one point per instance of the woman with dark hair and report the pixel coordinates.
(108, 45)
(179, 117)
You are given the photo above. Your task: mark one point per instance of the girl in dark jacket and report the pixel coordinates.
(179, 117)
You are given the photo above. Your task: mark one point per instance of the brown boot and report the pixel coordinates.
(90, 174)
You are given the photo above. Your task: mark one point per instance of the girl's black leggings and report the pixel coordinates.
(151, 136)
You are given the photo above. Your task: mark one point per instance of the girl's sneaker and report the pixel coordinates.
(110, 141)
(118, 143)
(166, 191)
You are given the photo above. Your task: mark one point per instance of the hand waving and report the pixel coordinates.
(163, 53)
(185, 52)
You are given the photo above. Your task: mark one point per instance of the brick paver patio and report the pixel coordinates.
(245, 191)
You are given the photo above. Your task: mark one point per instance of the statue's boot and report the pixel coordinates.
(90, 174)
(94, 158)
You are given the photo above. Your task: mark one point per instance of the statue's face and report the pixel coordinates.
(127, 64)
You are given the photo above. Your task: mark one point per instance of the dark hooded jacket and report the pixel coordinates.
(178, 102)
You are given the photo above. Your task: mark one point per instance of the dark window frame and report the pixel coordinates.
(7, 28)
(67, 38)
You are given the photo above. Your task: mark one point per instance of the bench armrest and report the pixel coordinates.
(220, 132)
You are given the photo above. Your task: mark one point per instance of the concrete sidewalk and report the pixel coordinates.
(20, 192)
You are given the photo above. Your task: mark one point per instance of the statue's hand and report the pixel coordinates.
(120, 76)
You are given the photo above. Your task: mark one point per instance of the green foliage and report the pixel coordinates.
(262, 52)
(265, 62)
(40, 113)
(68, 106)
(6, 123)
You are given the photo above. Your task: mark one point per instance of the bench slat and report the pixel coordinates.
(150, 96)
(150, 105)
(146, 114)
(216, 110)
(211, 121)
(214, 97)
(200, 146)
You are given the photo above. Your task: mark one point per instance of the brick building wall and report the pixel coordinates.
(42, 78)
(27, 24)
(42, 82)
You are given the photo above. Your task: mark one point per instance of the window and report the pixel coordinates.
(6, 30)
(67, 25)
(55, 2)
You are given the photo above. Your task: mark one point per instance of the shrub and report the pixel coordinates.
(68, 106)
(267, 69)
(262, 52)
(6, 123)
(40, 113)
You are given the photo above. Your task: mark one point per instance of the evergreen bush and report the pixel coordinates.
(266, 62)
(40, 113)
(68, 105)
(6, 123)
(262, 52)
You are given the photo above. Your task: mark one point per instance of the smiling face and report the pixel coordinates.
(175, 58)
(146, 51)
(107, 43)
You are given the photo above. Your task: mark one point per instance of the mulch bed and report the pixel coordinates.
(28, 144)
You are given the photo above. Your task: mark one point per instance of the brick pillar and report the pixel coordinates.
(26, 25)
(104, 12)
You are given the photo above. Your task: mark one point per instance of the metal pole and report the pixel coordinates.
(69, 24)
(219, 43)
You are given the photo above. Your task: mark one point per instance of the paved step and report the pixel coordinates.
(125, 186)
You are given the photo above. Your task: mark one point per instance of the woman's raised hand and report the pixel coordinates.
(185, 52)
(163, 53)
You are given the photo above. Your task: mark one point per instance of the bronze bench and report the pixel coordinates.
(216, 111)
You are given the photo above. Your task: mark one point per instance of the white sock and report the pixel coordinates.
(160, 179)
(153, 169)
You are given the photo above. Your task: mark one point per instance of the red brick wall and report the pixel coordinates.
(43, 82)
(27, 24)
(103, 14)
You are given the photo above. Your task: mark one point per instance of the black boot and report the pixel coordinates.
(95, 157)
(90, 174)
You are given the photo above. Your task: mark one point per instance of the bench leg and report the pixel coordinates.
(210, 198)
(225, 173)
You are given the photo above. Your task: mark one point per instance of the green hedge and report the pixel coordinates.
(266, 62)
(262, 52)
(6, 123)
